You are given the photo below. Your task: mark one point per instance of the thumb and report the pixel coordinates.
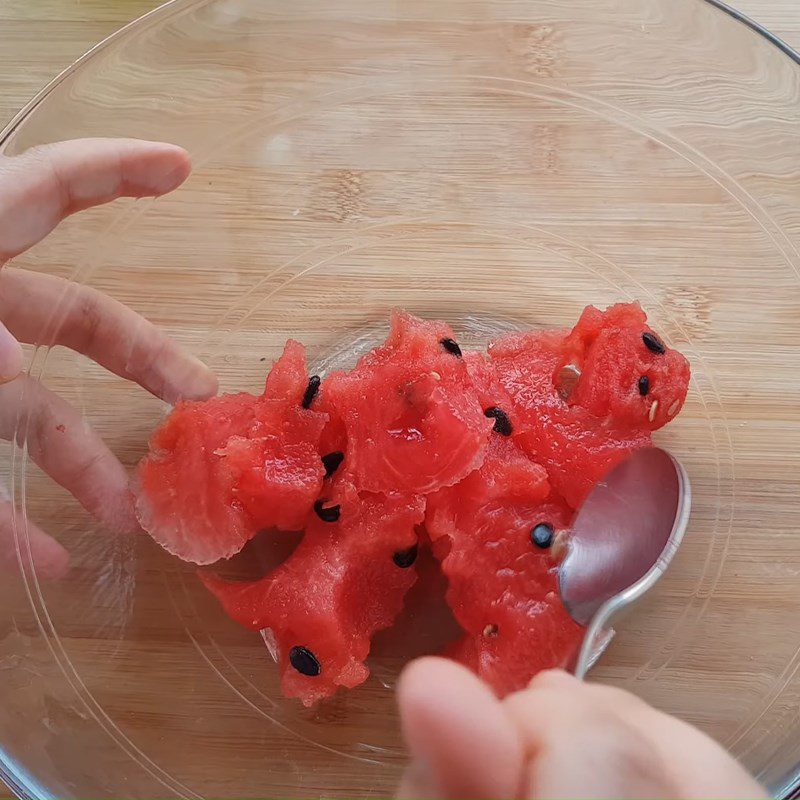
(462, 743)
(10, 356)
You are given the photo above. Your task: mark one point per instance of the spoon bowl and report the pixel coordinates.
(623, 539)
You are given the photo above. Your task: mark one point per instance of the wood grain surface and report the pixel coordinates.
(582, 239)
(70, 27)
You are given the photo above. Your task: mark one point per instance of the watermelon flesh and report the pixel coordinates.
(502, 587)
(338, 588)
(489, 455)
(577, 394)
(221, 470)
(606, 346)
(413, 422)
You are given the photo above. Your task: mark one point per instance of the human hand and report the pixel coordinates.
(559, 738)
(38, 189)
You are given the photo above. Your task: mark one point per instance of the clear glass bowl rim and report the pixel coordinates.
(25, 786)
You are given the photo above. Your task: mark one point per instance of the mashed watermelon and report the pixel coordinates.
(483, 457)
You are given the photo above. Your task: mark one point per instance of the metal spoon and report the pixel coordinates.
(622, 541)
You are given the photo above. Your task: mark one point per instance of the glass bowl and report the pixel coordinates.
(494, 163)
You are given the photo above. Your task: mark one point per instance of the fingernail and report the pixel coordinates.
(198, 383)
(11, 360)
(174, 177)
(168, 181)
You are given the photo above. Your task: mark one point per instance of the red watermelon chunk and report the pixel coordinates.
(491, 393)
(413, 422)
(531, 637)
(340, 586)
(495, 451)
(334, 435)
(575, 420)
(628, 376)
(219, 471)
(571, 444)
(501, 586)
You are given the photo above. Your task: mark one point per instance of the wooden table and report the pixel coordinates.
(38, 39)
(69, 27)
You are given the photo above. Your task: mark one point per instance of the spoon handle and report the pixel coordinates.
(597, 639)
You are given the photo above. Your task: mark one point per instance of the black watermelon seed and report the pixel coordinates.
(502, 424)
(644, 385)
(405, 558)
(653, 343)
(542, 535)
(311, 391)
(304, 661)
(332, 462)
(451, 345)
(327, 513)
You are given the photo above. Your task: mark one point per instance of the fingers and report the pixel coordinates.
(461, 742)
(593, 741)
(580, 746)
(560, 738)
(50, 559)
(39, 189)
(68, 450)
(45, 310)
(10, 355)
(46, 184)
(714, 772)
